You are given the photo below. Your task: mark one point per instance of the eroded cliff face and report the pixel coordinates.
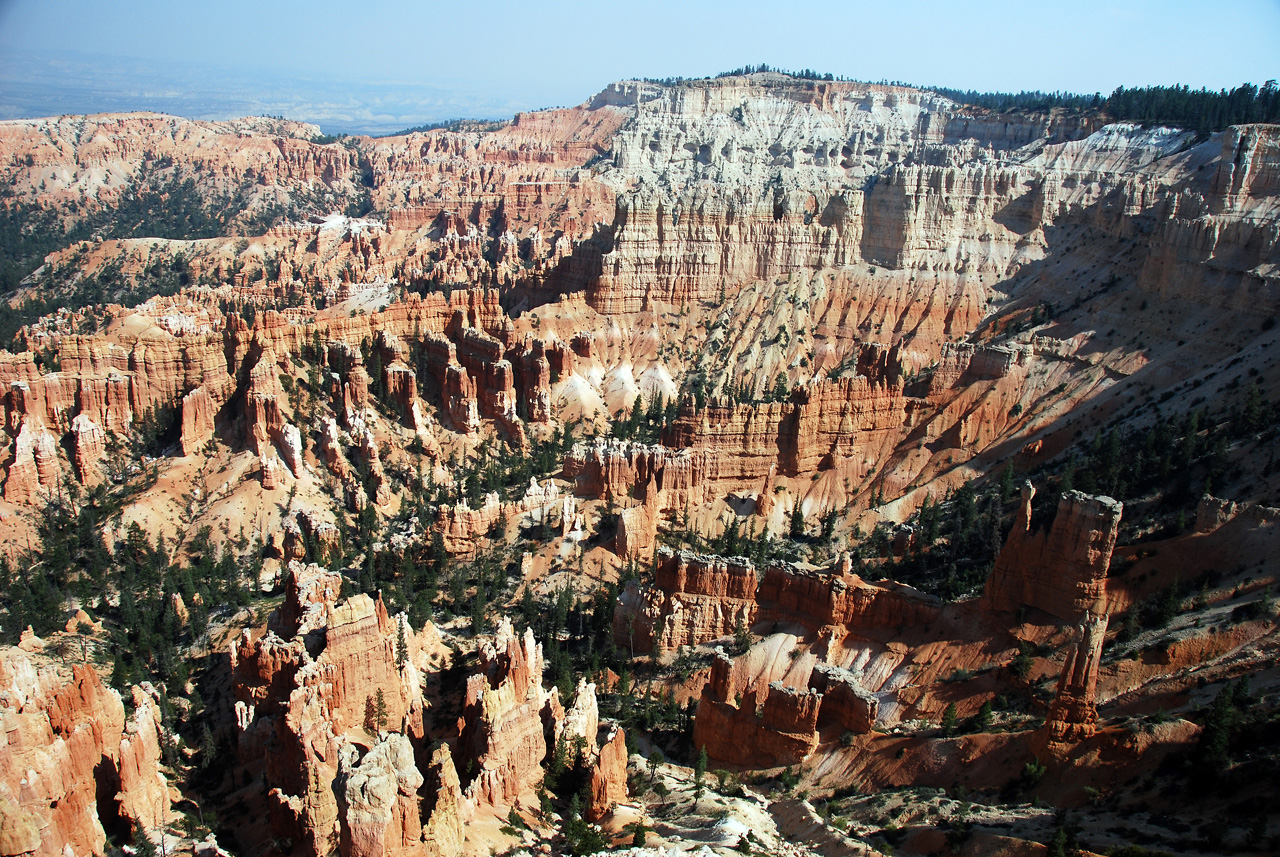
(723, 233)
(758, 177)
(504, 719)
(846, 298)
(1063, 571)
(75, 767)
(94, 160)
(873, 649)
(331, 708)
(696, 598)
(760, 726)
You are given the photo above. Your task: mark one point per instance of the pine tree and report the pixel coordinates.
(380, 710)
(949, 719)
(796, 529)
(742, 635)
(402, 647)
(656, 758)
(1213, 751)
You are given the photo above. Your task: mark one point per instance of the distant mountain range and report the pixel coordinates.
(54, 84)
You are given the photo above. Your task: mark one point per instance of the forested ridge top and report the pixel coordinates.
(1203, 110)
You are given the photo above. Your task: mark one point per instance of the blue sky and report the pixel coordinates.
(384, 62)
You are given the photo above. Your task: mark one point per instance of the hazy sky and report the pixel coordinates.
(384, 60)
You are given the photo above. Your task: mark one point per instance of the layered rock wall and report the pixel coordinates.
(73, 764)
(503, 719)
(774, 725)
(307, 689)
(1062, 571)
(694, 599)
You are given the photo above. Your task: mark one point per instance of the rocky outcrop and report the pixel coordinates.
(34, 466)
(616, 469)
(503, 719)
(1063, 571)
(845, 702)
(199, 410)
(1073, 714)
(605, 763)
(144, 788)
(764, 500)
(766, 726)
(74, 765)
(462, 527)
(825, 425)
(306, 690)
(637, 535)
(835, 599)
(697, 598)
(846, 425)
(447, 813)
(217, 156)
(378, 799)
(88, 444)
(608, 776)
(377, 477)
(266, 422)
(694, 599)
(168, 364)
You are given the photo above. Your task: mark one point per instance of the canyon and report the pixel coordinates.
(447, 493)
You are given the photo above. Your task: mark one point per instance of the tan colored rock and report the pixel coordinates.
(81, 618)
(144, 791)
(306, 706)
(1062, 572)
(29, 642)
(89, 444)
(462, 527)
(379, 799)
(503, 719)
(269, 466)
(1073, 714)
(609, 776)
(179, 608)
(198, 410)
(764, 501)
(694, 599)
(69, 750)
(697, 598)
(582, 719)
(34, 466)
(444, 830)
(637, 535)
(19, 830)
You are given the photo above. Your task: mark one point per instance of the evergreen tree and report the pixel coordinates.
(949, 719)
(402, 646)
(380, 710)
(796, 528)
